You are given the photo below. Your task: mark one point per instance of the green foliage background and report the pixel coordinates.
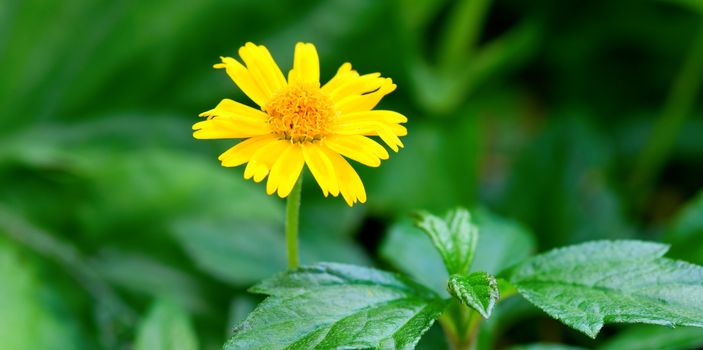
(579, 120)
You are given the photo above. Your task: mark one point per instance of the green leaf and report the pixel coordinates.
(695, 5)
(409, 250)
(478, 290)
(646, 337)
(118, 267)
(166, 327)
(587, 285)
(332, 306)
(232, 250)
(686, 232)
(243, 252)
(503, 242)
(455, 238)
(565, 167)
(33, 316)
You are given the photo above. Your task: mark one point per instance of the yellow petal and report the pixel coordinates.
(343, 73)
(377, 115)
(369, 128)
(365, 102)
(263, 159)
(306, 65)
(359, 148)
(220, 128)
(357, 86)
(262, 68)
(243, 79)
(384, 124)
(235, 110)
(350, 185)
(243, 151)
(286, 171)
(321, 168)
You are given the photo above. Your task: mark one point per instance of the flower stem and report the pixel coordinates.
(292, 216)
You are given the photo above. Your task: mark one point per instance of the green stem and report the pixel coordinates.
(677, 108)
(292, 218)
(460, 325)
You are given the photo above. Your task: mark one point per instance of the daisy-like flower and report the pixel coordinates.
(300, 122)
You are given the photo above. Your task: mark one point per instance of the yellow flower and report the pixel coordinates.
(300, 122)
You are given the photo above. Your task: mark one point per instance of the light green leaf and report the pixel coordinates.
(232, 250)
(409, 250)
(333, 306)
(478, 290)
(587, 285)
(503, 243)
(455, 238)
(166, 327)
(646, 337)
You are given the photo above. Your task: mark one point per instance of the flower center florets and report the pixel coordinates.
(300, 113)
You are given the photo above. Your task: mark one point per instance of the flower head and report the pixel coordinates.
(300, 122)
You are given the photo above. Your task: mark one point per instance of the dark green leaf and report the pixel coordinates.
(646, 337)
(590, 284)
(695, 5)
(565, 167)
(686, 232)
(478, 290)
(166, 327)
(427, 145)
(454, 236)
(332, 306)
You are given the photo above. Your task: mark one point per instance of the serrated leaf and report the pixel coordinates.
(331, 306)
(478, 290)
(454, 236)
(503, 243)
(587, 285)
(166, 327)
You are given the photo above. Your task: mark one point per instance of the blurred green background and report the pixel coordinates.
(564, 120)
